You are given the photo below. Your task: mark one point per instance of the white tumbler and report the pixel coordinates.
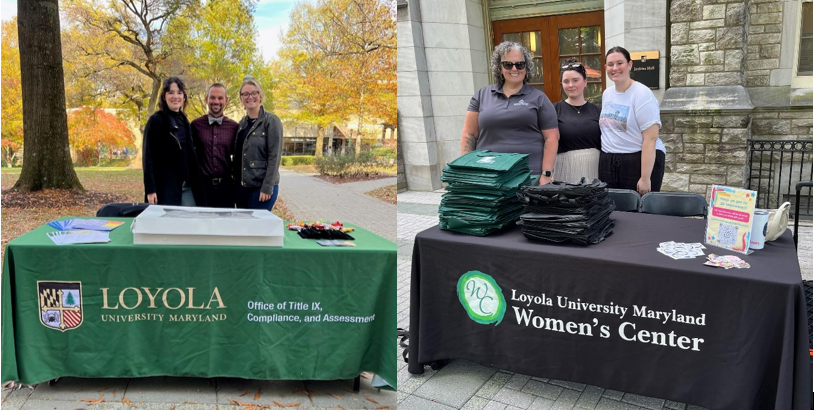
(758, 236)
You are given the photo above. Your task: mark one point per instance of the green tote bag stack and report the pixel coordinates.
(482, 192)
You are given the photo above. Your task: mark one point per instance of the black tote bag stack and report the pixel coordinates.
(563, 212)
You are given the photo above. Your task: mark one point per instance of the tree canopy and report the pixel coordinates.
(338, 62)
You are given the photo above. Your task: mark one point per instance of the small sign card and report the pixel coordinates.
(730, 218)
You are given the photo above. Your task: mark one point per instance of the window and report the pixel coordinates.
(554, 39)
(804, 62)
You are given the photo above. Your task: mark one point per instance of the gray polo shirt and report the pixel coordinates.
(514, 124)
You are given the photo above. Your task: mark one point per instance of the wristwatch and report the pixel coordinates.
(547, 173)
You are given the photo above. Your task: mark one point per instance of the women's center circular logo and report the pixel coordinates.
(482, 298)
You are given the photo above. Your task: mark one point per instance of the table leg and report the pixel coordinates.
(357, 383)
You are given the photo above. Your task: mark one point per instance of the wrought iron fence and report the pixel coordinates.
(775, 168)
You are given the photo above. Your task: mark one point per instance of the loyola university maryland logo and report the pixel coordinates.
(60, 304)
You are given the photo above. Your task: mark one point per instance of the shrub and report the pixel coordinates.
(384, 152)
(294, 160)
(348, 165)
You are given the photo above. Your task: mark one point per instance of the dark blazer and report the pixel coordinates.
(262, 150)
(162, 162)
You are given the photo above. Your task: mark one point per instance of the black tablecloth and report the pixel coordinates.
(730, 339)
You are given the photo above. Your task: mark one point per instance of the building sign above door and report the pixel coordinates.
(646, 68)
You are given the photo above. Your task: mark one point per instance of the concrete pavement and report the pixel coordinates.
(466, 385)
(308, 198)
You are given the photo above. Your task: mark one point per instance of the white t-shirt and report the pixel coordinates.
(625, 115)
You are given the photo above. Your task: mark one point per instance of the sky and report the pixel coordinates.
(270, 18)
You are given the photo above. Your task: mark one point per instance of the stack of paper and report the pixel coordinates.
(563, 212)
(482, 192)
(82, 224)
(74, 237)
(726, 262)
(680, 250)
(71, 231)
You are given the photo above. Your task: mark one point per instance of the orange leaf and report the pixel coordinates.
(293, 404)
(190, 402)
(114, 392)
(337, 396)
(244, 393)
(279, 404)
(257, 396)
(371, 400)
(93, 401)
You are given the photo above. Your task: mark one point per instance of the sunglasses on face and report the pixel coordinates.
(508, 65)
(572, 65)
(251, 94)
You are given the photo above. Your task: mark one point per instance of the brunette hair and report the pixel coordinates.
(162, 100)
(569, 66)
(618, 49)
(219, 85)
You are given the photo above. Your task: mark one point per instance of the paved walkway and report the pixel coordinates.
(311, 198)
(308, 198)
(466, 385)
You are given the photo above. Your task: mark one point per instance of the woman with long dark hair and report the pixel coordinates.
(168, 154)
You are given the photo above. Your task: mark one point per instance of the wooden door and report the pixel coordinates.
(554, 39)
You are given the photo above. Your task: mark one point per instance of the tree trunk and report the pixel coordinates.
(46, 154)
(151, 108)
(332, 131)
(358, 146)
(320, 143)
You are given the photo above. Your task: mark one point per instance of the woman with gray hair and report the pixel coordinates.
(512, 116)
(258, 148)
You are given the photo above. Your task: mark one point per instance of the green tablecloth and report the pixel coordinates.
(299, 312)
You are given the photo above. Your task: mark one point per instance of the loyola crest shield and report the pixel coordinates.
(60, 304)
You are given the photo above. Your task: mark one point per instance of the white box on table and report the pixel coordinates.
(180, 225)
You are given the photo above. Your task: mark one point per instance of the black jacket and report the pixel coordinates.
(162, 162)
(260, 159)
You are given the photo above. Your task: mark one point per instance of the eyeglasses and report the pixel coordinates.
(572, 65)
(521, 65)
(251, 94)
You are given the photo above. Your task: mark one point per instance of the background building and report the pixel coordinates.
(733, 78)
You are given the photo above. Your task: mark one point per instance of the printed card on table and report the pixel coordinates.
(730, 217)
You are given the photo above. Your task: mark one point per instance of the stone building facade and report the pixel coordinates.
(729, 74)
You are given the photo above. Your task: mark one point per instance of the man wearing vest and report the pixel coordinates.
(214, 137)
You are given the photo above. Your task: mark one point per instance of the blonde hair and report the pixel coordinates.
(249, 80)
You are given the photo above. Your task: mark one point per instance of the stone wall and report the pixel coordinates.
(707, 42)
(764, 41)
(704, 149)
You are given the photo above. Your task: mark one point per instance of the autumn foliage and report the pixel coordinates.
(12, 101)
(92, 130)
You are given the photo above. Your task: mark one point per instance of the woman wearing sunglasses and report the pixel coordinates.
(258, 148)
(632, 154)
(512, 116)
(580, 138)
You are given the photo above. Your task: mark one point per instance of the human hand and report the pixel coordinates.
(152, 198)
(545, 180)
(643, 186)
(264, 197)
